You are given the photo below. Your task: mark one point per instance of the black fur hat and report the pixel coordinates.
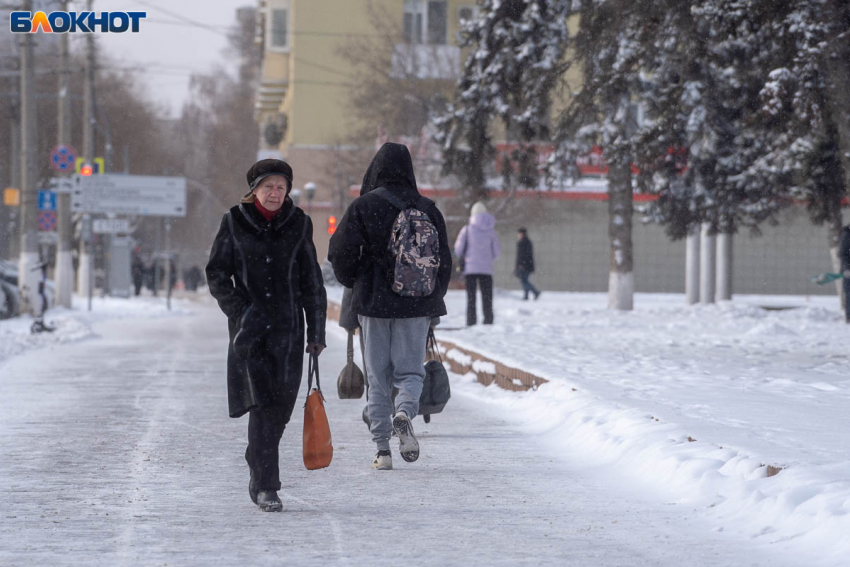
(265, 168)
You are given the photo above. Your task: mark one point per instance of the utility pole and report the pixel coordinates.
(13, 213)
(28, 259)
(64, 263)
(86, 269)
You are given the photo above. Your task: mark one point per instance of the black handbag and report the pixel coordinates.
(436, 389)
(350, 384)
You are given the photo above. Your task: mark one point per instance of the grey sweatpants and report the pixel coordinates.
(395, 355)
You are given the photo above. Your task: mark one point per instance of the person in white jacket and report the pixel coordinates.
(478, 246)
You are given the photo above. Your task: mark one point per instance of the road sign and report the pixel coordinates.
(111, 226)
(130, 195)
(12, 197)
(47, 220)
(98, 165)
(61, 184)
(46, 201)
(63, 158)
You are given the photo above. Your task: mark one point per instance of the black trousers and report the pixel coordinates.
(847, 299)
(472, 283)
(265, 428)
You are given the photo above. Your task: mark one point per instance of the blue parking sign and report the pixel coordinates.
(46, 200)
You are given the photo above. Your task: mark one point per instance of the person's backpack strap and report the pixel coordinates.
(422, 204)
(387, 196)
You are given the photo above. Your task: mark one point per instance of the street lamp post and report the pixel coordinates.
(295, 195)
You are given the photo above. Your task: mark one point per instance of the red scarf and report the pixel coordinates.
(267, 214)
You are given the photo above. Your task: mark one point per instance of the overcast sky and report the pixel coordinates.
(169, 48)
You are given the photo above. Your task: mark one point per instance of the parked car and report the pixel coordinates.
(9, 300)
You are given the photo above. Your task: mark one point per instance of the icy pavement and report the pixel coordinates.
(118, 451)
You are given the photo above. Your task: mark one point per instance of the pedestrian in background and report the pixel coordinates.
(391, 247)
(265, 276)
(844, 247)
(525, 263)
(478, 246)
(138, 272)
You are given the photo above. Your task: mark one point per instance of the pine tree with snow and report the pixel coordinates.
(706, 68)
(602, 112)
(804, 124)
(517, 58)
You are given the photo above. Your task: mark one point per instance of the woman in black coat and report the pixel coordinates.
(264, 273)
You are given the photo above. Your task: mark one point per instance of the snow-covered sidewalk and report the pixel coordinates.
(75, 324)
(693, 402)
(118, 451)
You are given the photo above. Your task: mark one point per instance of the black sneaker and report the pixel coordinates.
(268, 501)
(408, 445)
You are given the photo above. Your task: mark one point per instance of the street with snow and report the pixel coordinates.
(116, 448)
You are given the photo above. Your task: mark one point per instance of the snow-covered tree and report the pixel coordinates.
(602, 112)
(517, 58)
(803, 122)
(706, 66)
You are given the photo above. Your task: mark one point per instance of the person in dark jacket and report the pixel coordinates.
(264, 273)
(844, 249)
(394, 327)
(138, 273)
(525, 263)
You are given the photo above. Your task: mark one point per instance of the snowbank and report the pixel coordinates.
(75, 324)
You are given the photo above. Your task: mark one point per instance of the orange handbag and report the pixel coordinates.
(318, 445)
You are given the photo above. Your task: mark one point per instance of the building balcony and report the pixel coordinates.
(270, 96)
(425, 61)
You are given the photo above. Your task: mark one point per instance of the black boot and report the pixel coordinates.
(252, 488)
(268, 501)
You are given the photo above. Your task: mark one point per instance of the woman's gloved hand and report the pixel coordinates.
(315, 348)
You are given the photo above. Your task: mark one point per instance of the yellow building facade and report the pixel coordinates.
(302, 107)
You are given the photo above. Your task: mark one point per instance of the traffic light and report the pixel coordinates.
(331, 225)
(86, 170)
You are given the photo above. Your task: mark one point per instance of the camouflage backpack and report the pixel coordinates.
(414, 248)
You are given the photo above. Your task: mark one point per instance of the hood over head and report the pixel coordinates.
(482, 221)
(391, 167)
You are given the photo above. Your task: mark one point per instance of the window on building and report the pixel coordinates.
(437, 23)
(425, 21)
(413, 21)
(279, 29)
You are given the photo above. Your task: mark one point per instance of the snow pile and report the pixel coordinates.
(737, 409)
(76, 324)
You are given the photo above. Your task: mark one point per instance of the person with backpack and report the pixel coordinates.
(392, 248)
(525, 264)
(478, 247)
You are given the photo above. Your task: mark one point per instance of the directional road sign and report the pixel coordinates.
(63, 158)
(111, 226)
(46, 201)
(62, 184)
(130, 195)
